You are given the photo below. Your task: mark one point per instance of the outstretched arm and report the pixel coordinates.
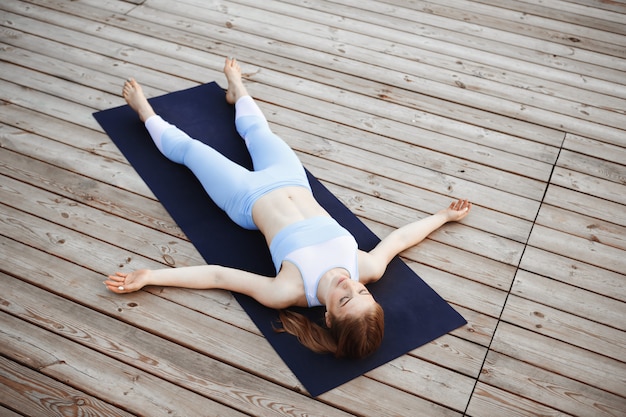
(261, 288)
(373, 264)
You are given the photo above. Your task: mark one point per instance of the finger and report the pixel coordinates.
(118, 277)
(116, 287)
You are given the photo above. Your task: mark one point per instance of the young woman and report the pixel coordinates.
(317, 261)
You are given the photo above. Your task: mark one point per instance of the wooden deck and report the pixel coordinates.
(398, 107)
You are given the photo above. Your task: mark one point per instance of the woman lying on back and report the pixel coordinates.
(317, 261)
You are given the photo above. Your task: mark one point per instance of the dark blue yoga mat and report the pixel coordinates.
(414, 313)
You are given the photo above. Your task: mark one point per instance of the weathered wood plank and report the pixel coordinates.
(447, 86)
(533, 25)
(593, 167)
(448, 17)
(355, 32)
(465, 292)
(71, 159)
(407, 143)
(588, 184)
(561, 358)
(479, 329)
(65, 29)
(505, 38)
(8, 413)
(547, 388)
(86, 65)
(563, 14)
(23, 96)
(456, 353)
(301, 70)
(483, 137)
(360, 391)
(488, 400)
(64, 91)
(557, 6)
(158, 356)
(93, 193)
(148, 243)
(438, 385)
(587, 204)
(566, 327)
(588, 127)
(34, 394)
(574, 272)
(571, 299)
(589, 228)
(98, 375)
(615, 6)
(40, 124)
(418, 189)
(596, 148)
(402, 37)
(418, 179)
(594, 253)
(474, 48)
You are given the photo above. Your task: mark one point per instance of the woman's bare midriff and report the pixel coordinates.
(282, 207)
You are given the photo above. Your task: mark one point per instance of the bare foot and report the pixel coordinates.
(133, 94)
(236, 89)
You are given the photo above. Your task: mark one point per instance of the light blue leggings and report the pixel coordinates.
(232, 187)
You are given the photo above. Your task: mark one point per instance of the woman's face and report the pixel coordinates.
(348, 297)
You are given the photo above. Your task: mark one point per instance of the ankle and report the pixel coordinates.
(145, 114)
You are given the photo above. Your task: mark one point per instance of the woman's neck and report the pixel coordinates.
(328, 280)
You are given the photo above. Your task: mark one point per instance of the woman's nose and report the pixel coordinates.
(348, 284)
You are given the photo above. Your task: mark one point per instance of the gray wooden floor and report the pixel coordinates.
(398, 107)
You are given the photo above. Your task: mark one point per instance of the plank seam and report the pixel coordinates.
(506, 299)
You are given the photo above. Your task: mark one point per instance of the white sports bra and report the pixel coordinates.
(314, 261)
(315, 246)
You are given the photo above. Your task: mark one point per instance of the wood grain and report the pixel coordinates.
(398, 107)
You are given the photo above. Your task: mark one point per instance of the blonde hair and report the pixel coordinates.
(348, 337)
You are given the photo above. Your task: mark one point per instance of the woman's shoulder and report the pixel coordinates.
(290, 285)
(370, 268)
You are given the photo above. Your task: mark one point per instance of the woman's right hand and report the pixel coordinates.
(457, 210)
(122, 283)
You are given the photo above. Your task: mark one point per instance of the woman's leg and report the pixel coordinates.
(266, 148)
(221, 178)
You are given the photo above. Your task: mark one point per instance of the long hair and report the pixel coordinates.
(348, 337)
